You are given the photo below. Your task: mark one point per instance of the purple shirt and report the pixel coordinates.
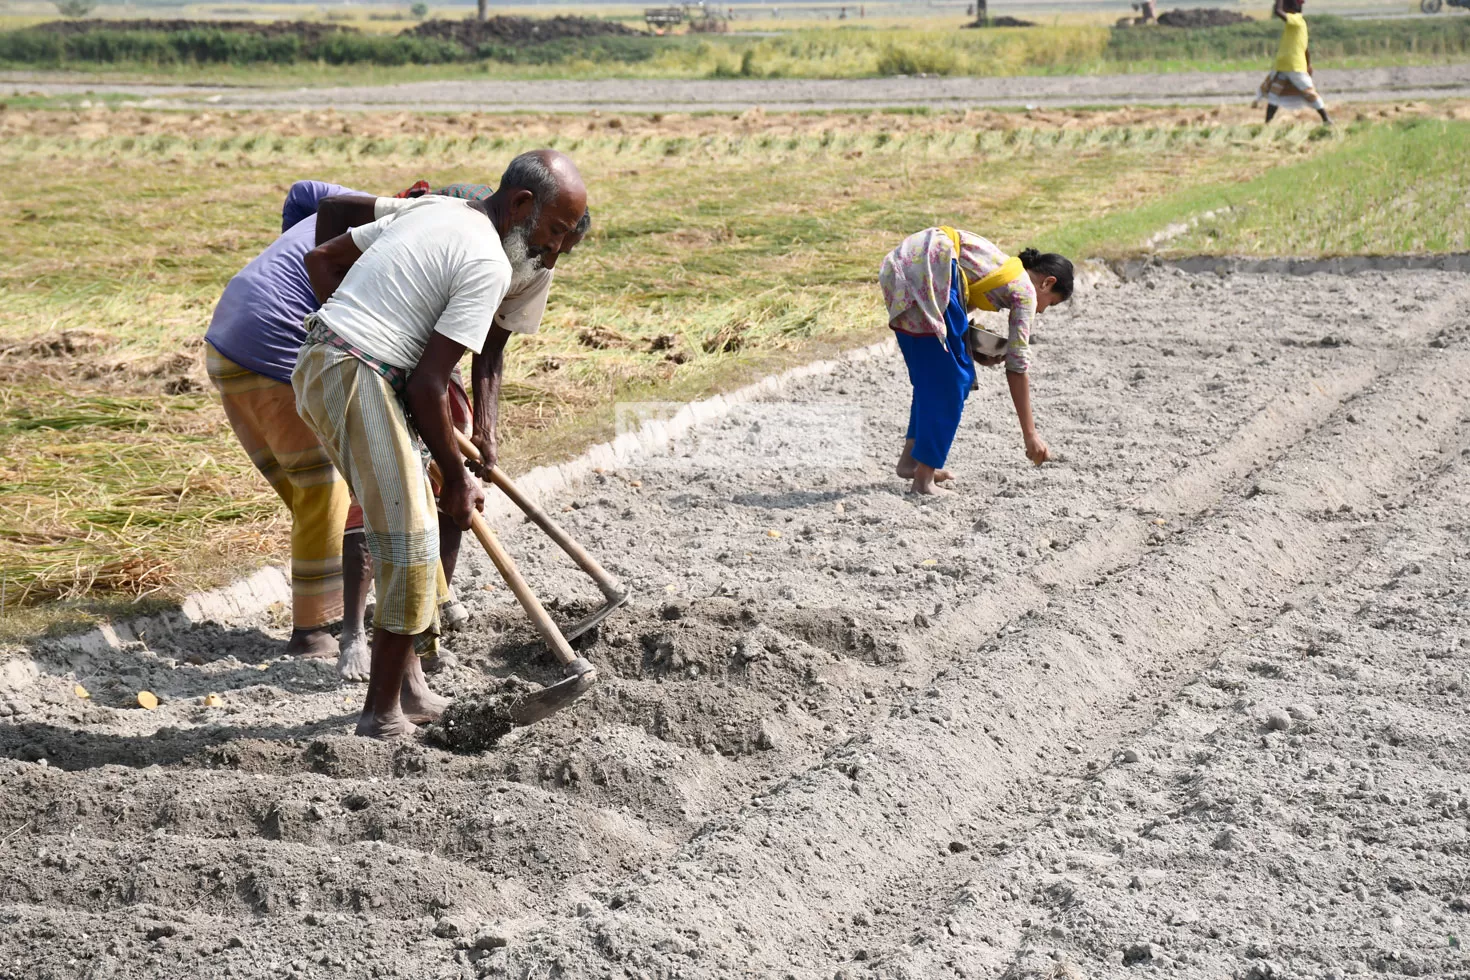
(258, 321)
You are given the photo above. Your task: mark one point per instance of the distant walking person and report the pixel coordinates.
(1289, 85)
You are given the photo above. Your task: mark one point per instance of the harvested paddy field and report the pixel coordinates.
(1189, 701)
(120, 479)
(1194, 88)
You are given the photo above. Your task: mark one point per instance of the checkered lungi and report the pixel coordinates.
(459, 415)
(1290, 90)
(351, 401)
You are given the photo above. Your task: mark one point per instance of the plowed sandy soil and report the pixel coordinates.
(1189, 702)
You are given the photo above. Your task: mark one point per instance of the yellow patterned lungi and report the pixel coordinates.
(262, 411)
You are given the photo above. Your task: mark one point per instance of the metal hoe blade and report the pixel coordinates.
(531, 708)
(614, 602)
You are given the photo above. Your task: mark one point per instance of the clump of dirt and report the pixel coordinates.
(63, 343)
(518, 31)
(473, 724)
(1202, 17)
(1006, 21)
(308, 31)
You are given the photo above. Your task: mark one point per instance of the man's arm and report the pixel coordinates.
(427, 400)
(302, 200)
(485, 374)
(336, 214)
(327, 265)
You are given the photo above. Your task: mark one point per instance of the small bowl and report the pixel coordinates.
(983, 343)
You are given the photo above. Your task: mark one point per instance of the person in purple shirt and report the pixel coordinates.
(257, 323)
(251, 349)
(252, 344)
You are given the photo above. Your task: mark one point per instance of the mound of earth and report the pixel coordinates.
(307, 30)
(1003, 22)
(511, 31)
(518, 31)
(1202, 17)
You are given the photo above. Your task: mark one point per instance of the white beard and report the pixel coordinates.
(523, 267)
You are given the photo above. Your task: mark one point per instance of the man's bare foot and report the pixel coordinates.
(422, 708)
(313, 644)
(354, 658)
(388, 725)
(436, 663)
(453, 615)
(420, 705)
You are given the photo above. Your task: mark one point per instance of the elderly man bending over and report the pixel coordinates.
(402, 298)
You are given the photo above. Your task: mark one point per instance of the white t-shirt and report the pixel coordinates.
(433, 266)
(522, 309)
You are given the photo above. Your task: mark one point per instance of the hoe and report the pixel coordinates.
(580, 674)
(614, 593)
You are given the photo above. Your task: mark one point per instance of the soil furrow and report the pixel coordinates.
(840, 729)
(1268, 547)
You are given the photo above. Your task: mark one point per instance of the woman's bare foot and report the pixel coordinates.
(908, 468)
(926, 480)
(388, 725)
(354, 658)
(906, 462)
(939, 476)
(420, 704)
(312, 644)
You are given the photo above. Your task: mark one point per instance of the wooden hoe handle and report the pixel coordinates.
(512, 575)
(575, 551)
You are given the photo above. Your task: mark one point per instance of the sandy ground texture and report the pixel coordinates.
(1189, 702)
(652, 95)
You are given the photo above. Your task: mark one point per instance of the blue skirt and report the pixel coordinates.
(942, 379)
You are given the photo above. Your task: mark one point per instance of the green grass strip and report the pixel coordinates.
(1395, 188)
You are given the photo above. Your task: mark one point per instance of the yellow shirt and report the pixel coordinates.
(1292, 54)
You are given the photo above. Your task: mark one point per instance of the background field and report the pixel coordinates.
(1062, 43)
(118, 476)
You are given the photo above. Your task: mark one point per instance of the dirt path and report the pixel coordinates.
(1193, 698)
(626, 95)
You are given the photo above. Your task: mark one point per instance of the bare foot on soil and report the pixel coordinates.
(910, 471)
(354, 657)
(315, 644)
(420, 705)
(453, 615)
(929, 487)
(926, 478)
(389, 725)
(438, 661)
(909, 468)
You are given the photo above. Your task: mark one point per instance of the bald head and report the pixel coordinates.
(538, 205)
(548, 174)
